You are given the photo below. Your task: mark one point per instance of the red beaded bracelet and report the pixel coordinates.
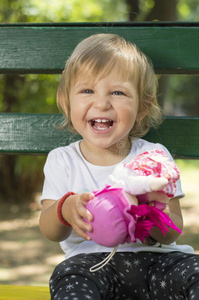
(59, 208)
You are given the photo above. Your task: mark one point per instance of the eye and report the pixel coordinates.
(118, 93)
(87, 91)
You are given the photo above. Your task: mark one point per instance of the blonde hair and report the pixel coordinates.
(98, 56)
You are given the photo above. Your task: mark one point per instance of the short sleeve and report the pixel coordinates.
(56, 176)
(179, 193)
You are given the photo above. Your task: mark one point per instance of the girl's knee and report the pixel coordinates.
(75, 287)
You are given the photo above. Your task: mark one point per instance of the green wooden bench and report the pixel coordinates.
(44, 48)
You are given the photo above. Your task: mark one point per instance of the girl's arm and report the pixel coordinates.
(173, 210)
(73, 211)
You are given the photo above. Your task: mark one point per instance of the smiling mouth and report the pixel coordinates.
(101, 124)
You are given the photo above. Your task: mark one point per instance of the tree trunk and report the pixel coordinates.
(163, 10)
(134, 9)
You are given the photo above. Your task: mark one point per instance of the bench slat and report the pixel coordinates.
(37, 48)
(180, 135)
(32, 133)
(10, 292)
(38, 134)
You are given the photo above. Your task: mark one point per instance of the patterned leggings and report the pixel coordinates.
(136, 276)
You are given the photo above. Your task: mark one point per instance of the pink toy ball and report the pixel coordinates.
(110, 227)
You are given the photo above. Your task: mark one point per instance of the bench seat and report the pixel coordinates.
(13, 292)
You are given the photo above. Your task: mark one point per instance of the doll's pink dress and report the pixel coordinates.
(156, 163)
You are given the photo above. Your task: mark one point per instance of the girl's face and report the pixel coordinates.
(103, 112)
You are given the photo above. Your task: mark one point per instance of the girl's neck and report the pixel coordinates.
(106, 157)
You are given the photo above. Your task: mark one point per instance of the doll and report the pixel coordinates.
(117, 220)
(148, 172)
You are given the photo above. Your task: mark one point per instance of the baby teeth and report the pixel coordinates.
(107, 123)
(99, 128)
(101, 120)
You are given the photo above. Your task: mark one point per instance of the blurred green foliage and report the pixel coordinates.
(35, 93)
(77, 11)
(188, 10)
(182, 96)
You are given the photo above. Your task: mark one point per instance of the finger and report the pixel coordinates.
(85, 197)
(83, 212)
(79, 222)
(82, 229)
(157, 196)
(167, 210)
(83, 234)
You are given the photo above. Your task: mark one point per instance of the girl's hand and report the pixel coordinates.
(74, 211)
(173, 210)
(159, 197)
(167, 210)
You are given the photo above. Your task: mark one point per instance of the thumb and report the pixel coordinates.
(85, 197)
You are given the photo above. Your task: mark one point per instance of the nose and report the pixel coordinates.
(102, 103)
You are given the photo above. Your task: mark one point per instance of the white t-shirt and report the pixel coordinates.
(67, 170)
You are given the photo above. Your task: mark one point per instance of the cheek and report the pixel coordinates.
(74, 116)
(74, 107)
(131, 113)
(131, 119)
(78, 116)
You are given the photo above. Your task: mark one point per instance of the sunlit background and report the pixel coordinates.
(26, 257)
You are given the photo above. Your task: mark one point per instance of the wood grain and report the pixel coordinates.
(39, 133)
(37, 48)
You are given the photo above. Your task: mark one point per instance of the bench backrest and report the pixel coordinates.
(44, 48)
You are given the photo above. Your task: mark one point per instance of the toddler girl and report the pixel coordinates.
(108, 95)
